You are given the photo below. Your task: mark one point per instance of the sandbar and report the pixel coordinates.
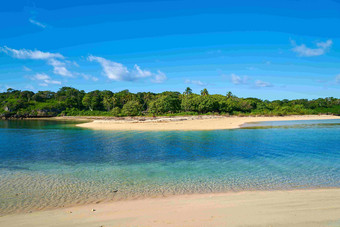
(195, 123)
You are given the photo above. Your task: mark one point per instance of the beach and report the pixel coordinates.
(195, 123)
(319, 207)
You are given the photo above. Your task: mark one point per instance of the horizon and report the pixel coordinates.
(266, 50)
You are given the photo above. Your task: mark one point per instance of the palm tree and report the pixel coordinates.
(188, 91)
(204, 92)
(229, 95)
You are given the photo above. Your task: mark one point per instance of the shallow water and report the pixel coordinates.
(47, 164)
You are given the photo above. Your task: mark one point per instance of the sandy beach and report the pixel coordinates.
(319, 207)
(191, 123)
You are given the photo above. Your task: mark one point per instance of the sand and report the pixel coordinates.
(318, 207)
(191, 123)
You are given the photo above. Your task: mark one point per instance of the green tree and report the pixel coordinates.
(165, 104)
(188, 91)
(92, 100)
(204, 92)
(132, 108)
(116, 111)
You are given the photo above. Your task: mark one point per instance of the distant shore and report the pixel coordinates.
(194, 123)
(318, 207)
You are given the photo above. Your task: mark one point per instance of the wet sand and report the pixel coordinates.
(319, 207)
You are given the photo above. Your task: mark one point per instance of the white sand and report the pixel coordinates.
(179, 123)
(258, 208)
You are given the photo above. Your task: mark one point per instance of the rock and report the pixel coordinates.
(93, 210)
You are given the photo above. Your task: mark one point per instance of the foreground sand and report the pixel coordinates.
(192, 123)
(320, 207)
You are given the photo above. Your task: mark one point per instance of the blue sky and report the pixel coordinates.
(265, 49)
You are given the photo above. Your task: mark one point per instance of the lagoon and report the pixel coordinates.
(49, 164)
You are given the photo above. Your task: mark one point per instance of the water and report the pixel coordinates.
(48, 164)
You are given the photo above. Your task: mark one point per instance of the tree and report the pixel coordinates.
(71, 97)
(188, 91)
(207, 104)
(131, 108)
(165, 104)
(42, 96)
(27, 95)
(229, 95)
(92, 100)
(204, 92)
(116, 111)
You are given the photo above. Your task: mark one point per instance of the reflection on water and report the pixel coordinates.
(46, 164)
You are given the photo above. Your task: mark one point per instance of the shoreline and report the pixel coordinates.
(310, 207)
(189, 123)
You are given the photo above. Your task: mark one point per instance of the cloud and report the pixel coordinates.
(55, 60)
(45, 79)
(41, 76)
(26, 69)
(139, 73)
(30, 54)
(160, 77)
(88, 77)
(59, 67)
(37, 23)
(238, 80)
(260, 83)
(304, 51)
(196, 82)
(113, 70)
(29, 87)
(118, 72)
(337, 79)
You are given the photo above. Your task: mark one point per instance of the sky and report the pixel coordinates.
(288, 49)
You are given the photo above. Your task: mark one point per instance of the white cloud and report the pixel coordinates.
(113, 70)
(59, 67)
(30, 54)
(196, 82)
(29, 87)
(139, 73)
(41, 76)
(260, 83)
(303, 50)
(52, 59)
(160, 77)
(45, 79)
(238, 80)
(118, 72)
(337, 79)
(88, 77)
(26, 69)
(37, 23)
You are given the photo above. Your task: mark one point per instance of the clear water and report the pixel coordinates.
(47, 164)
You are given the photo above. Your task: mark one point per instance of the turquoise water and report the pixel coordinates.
(47, 164)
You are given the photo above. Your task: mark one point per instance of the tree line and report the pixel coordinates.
(68, 101)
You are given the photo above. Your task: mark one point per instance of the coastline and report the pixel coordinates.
(188, 123)
(313, 207)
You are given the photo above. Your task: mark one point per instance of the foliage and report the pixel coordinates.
(72, 102)
(131, 108)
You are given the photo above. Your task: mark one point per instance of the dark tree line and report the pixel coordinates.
(72, 102)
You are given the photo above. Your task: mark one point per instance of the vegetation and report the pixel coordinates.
(72, 102)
